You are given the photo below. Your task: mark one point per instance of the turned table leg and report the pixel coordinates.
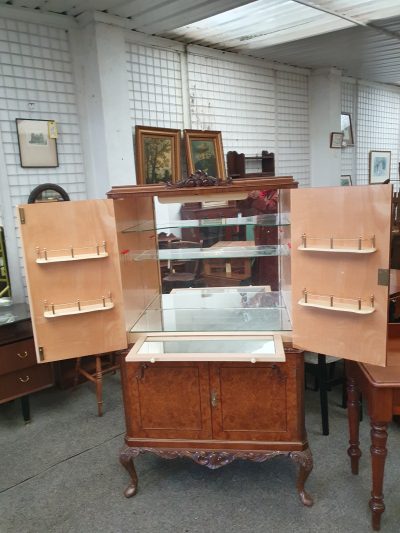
(353, 413)
(305, 460)
(378, 458)
(126, 457)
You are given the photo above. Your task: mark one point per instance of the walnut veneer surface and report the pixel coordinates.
(216, 412)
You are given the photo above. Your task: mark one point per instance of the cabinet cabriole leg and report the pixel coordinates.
(305, 460)
(126, 457)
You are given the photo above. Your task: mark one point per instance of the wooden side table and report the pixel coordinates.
(380, 388)
(20, 375)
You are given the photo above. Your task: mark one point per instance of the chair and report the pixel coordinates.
(111, 365)
(323, 367)
(183, 273)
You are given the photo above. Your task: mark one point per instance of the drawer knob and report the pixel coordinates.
(24, 380)
(22, 355)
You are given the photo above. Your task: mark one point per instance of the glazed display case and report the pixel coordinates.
(217, 308)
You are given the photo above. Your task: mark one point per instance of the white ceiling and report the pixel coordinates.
(361, 37)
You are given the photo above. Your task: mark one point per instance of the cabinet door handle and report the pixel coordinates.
(214, 399)
(24, 380)
(22, 355)
(140, 372)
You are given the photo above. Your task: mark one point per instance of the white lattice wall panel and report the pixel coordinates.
(236, 99)
(292, 127)
(349, 95)
(36, 82)
(377, 128)
(155, 87)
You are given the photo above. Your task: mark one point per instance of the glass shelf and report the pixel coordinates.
(216, 309)
(222, 252)
(279, 219)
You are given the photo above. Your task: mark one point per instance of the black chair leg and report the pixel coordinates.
(26, 413)
(323, 392)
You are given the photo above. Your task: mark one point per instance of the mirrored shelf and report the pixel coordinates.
(205, 347)
(212, 252)
(357, 245)
(230, 309)
(279, 219)
(360, 306)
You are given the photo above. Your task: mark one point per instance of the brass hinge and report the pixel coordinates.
(41, 353)
(383, 277)
(21, 215)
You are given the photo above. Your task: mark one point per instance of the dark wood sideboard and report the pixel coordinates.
(20, 375)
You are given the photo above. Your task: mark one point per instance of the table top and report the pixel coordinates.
(388, 376)
(13, 313)
(15, 323)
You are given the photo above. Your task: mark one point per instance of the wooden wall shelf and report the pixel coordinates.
(356, 245)
(358, 306)
(77, 308)
(71, 254)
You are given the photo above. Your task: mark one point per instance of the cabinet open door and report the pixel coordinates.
(340, 270)
(73, 277)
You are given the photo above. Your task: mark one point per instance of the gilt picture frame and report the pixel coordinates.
(157, 155)
(204, 152)
(36, 148)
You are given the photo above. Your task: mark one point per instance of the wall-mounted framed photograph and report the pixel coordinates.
(336, 139)
(347, 129)
(204, 152)
(36, 148)
(345, 180)
(379, 166)
(157, 155)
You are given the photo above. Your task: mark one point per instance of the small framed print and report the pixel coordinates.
(345, 180)
(379, 166)
(36, 148)
(336, 139)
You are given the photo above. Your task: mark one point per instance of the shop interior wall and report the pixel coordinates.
(257, 107)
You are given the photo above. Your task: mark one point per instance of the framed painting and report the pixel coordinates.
(204, 152)
(336, 139)
(37, 144)
(379, 166)
(157, 155)
(347, 129)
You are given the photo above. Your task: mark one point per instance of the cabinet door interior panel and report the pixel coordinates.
(71, 285)
(334, 278)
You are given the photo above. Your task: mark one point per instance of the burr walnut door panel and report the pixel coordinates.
(260, 401)
(340, 259)
(168, 400)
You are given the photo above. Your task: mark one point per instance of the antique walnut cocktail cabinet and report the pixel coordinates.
(216, 368)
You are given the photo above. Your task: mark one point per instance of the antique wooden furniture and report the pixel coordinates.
(20, 375)
(237, 164)
(380, 388)
(213, 374)
(105, 364)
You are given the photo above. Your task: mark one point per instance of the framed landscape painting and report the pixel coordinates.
(379, 166)
(204, 152)
(157, 155)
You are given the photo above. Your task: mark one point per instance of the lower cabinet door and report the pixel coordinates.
(170, 400)
(256, 401)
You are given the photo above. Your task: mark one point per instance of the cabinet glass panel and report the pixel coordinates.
(216, 309)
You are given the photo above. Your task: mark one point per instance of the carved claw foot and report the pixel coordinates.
(126, 457)
(305, 460)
